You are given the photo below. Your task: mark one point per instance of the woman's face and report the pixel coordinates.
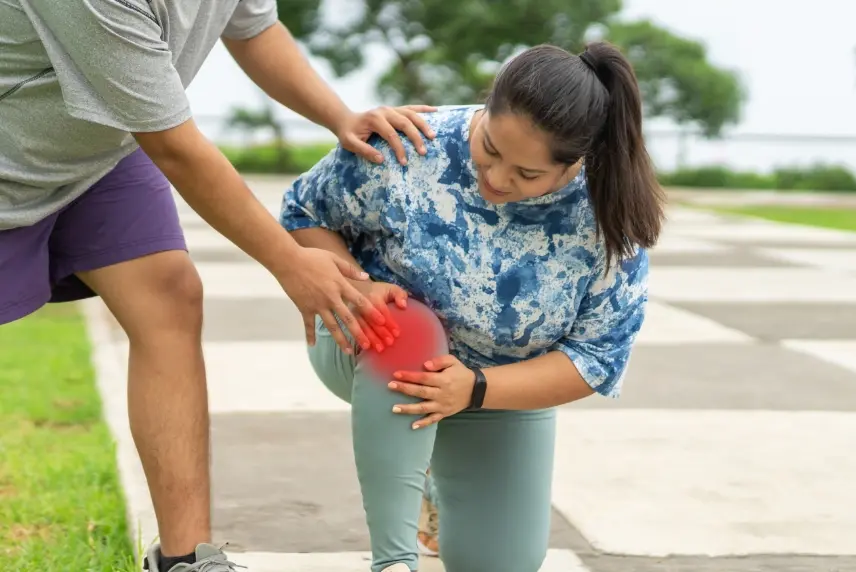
(513, 160)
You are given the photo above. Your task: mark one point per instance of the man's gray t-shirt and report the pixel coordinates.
(78, 77)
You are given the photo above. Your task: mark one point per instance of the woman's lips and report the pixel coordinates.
(492, 190)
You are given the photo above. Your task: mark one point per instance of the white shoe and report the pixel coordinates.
(400, 567)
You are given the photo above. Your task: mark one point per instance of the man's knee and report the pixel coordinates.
(179, 287)
(173, 291)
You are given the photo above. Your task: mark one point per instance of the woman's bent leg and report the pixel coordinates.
(391, 462)
(391, 457)
(333, 367)
(493, 471)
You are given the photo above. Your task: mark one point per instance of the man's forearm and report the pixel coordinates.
(214, 189)
(546, 381)
(325, 240)
(274, 62)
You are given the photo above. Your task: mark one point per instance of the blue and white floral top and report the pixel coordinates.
(509, 282)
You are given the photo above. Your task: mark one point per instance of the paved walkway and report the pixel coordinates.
(730, 451)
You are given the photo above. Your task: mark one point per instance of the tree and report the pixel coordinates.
(445, 51)
(677, 80)
(251, 121)
(448, 51)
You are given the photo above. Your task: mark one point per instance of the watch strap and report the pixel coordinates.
(479, 389)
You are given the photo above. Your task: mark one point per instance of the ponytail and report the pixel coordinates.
(627, 198)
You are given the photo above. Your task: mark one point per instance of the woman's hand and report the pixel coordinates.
(446, 388)
(379, 294)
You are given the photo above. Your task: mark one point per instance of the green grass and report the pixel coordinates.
(61, 506)
(265, 159)
(819, 177)
(304, 157)
(826, 217)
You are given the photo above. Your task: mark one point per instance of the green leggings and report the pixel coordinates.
(492, 471)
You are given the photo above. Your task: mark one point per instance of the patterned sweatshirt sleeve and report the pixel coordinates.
(607, 324)
(342, 193)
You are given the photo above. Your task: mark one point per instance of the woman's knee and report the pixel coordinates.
(422, 338)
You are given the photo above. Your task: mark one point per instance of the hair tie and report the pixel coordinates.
(588, 60)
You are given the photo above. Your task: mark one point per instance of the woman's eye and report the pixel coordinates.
(528, 177)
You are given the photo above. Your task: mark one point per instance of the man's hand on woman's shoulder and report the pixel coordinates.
(356, 128)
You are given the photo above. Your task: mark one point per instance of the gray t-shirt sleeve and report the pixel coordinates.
(111, 63)
(251, 18)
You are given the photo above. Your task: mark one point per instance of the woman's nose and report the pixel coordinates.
(498, 178)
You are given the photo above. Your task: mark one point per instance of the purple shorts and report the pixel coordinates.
(128, 214)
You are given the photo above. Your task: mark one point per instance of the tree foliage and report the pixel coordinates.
(676, 78)
(447, 51)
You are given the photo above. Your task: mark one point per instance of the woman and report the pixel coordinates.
(524, 230)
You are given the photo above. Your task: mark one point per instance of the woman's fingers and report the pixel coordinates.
(429, 420)
(440, 363)
(421, 408)
(415, 390)
(419, 377)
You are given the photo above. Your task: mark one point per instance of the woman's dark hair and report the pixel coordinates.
(591, 107)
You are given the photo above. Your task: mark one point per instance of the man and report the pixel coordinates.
(94, 126)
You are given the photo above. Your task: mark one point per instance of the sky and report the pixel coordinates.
(797, 61)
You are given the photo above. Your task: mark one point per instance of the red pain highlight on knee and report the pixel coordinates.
(422, 338)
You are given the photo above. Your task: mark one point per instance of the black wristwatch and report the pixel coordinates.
(479, 389)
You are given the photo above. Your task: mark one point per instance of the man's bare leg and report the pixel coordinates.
(157, 300)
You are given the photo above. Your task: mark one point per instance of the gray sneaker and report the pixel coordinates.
(208, 559)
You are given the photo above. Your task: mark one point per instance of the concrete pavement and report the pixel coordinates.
(727, 452)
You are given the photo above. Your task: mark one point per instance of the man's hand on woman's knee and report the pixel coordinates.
(380, 295)
(319, 283)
